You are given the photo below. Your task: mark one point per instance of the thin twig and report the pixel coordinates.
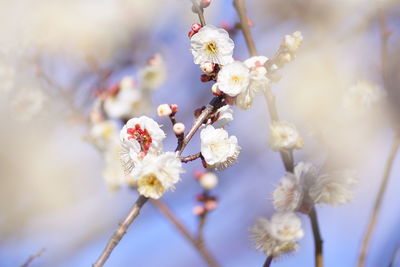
(190, 158)
(317, 238)
(200, 227)
(120, 231)
(209, 109)
(378, 202)
(244, 23)
(268, 261)
(166, 211)
(32, 257)
(199, 11)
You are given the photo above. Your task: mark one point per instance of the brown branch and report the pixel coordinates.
(32, 257)
(319, 262)
(209, 109)
(166, 211)
(190, 158)
(244, 24)
(268, 261)
(200, 227)
(120, 231)
(199, 11)
(378, 202)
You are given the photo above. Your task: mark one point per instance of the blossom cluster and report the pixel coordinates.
(118, 103)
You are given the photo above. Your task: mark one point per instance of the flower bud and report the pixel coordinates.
(174, 108)
(207, 67)
(196, 27)
(205, 78)
(198, 173)
(205, 3)
(208, 180)
(215, 90)
(198, 210)
(191, 33)
(164, 110)
(179, 128)
(210, 205)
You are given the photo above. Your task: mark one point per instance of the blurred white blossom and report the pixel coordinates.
(153, 74)
(363, 95)
(288, 194)
(279, 235)
(208, 180)
(284, 136)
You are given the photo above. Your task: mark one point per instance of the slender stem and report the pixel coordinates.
(209, 109)
(200, 227)
(190, 158)
(166, 211)
(120, 231)
(378, 202)
(319, 262)
(268, 261)
(199, 11)
(32, 257)
(244, 23)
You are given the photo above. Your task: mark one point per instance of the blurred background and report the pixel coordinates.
(56, 57)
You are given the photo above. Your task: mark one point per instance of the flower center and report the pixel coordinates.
(140, 135)
(211, 47)
(235, 78)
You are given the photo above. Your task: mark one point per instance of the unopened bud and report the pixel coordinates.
(174, 108)
(198, 210)
(164, 110)
(210, 205)
(208, 180)
(205, 78)
(196, 27)
(205, 3)
(179, 128)
(207, 67)
(198, 173)
(215, 90)
(191, 33)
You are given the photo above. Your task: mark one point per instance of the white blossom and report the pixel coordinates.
(102, 133)
(333, 188)
(157, 173)
(153, 74)
(278, 236)
(233, 78)
(212, 44)
(145, 132)
(284, 135)
(362, 95)
(113, 172)
(293, 41)
(208, 180)
(126, 102)
(286, 226)
(27, 103)
(288, 194)
(218, 149)
(224, 115)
